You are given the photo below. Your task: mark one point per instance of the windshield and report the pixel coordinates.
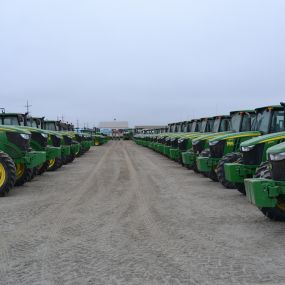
(50, 126)
(216, 126)
(277, 122)
(236, 122)
(263, 121)
(203, 126)
(210, 124)
(193, 127)
(32, 123)
(247, 121)
(225, 124)
(12, 121)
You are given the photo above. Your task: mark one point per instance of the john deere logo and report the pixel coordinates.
(230, 143)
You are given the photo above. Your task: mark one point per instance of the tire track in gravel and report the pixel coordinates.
(27, 229)
(163, 242)
(68, 206)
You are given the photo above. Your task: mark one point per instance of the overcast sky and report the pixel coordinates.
(145, 61)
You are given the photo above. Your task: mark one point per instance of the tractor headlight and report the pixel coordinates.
(277, 156)
(213, 143)
(44, 135)
(25, 136)
(247, 148)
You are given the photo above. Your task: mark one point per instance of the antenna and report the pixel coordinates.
(28, 107)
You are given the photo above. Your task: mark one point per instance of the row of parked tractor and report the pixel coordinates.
(30, 146)
(244, 150)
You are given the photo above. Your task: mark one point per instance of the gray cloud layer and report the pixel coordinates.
(146, 61)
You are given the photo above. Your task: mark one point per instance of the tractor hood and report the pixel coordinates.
(14, 129)
(264, 139)
(210, 136)
(279, 148)
(229, 136)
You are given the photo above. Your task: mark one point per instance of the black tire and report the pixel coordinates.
(10, 174)
(228, 158)
(71, 158)
(277, 213)
(25, 177)
(43, 168)
(57, 164)
(33, 174)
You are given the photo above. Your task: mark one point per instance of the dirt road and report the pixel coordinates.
(125, 215)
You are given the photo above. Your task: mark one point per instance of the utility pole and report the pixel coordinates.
(28, 107)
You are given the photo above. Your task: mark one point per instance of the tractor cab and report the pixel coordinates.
(187, 126)
(269, 119)
(195, 125)
(13, 119)
(269, 125)
(35, 122)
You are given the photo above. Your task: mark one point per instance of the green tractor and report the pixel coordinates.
(226, 149)
(69, 148)
(251, 159)
(39, 139)
(17, 157)
(218, 124)
(267, 189)
(232, 125)
(205, 126)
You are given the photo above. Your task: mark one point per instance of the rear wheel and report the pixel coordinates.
(228, 158)
(7, 174)
(23, 174)
(278, 212)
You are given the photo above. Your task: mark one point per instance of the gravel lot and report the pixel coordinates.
(123, 214)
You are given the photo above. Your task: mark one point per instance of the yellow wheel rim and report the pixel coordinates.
(20, 169)
(51, 163)
(2, 174)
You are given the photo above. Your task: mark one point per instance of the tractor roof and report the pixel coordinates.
(12, 114)
(275, 107)
(242, 111)
(222, 116)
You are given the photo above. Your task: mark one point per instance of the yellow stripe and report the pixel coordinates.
(273, 139)
(241, 136)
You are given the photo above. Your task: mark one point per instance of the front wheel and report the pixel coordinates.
(54, 164)
(7, 174)
(23, 174)
(278, 212)
(228, 158)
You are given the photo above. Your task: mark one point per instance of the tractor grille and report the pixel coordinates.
(217, 151)
(182, 144)
(174, 143)
(162, 140)
(67, 140)
(39, 139)
(167, 142)
(198, 147)
(78, 138)
(17, 140)
(277, 170)
(253, 157)
(55, 141)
